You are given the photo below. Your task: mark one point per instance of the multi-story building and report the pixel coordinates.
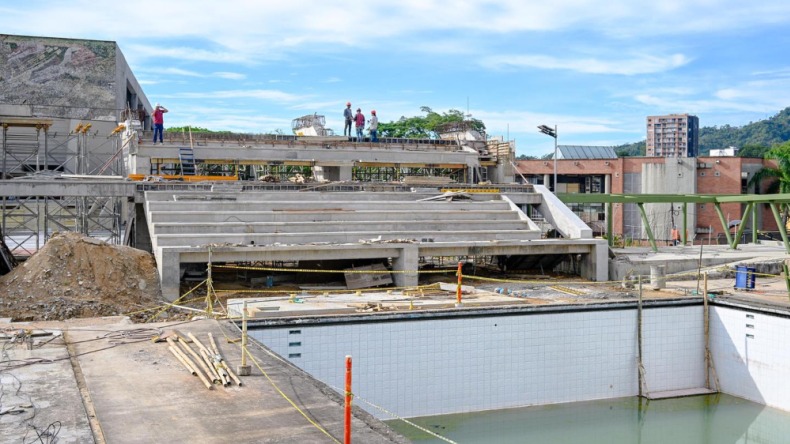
(675, 135)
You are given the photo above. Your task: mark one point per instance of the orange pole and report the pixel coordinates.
(347, 434)
(460, 278)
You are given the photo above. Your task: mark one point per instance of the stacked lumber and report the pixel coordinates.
(204, 361)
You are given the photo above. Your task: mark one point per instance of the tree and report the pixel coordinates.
(778, 176)
(753, 150)
(631, 149)
(425, 127)
(194, 129)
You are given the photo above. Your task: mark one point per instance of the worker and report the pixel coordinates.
(359, 119)
(349, 117)
(373, 126)
(159, 122)
(675, 236)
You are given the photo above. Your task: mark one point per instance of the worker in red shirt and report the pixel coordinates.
(359, 121)
(159, 122)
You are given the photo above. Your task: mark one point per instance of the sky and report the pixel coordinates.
(595, 69)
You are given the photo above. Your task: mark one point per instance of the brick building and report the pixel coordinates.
(655, 175)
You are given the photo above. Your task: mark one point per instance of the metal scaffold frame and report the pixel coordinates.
(28, 221)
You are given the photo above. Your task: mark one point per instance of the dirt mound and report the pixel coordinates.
(78, 276)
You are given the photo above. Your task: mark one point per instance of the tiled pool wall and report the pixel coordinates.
(429, 366)
(751, 353)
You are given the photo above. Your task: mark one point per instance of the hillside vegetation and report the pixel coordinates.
(753, 139)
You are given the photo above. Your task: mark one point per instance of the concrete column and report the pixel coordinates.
(595, 264)
(407, 261)
(142, 238)
(169, 267)
(607, 184)
(344, 173)
(547, 180)
(318, 173)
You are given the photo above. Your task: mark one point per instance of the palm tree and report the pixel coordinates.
(778, 176)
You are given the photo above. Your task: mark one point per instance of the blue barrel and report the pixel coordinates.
(744, 277)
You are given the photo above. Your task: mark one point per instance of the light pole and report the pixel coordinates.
(547, 130)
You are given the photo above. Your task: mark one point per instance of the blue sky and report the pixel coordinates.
(595, 69)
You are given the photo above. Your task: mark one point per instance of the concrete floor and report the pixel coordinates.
(46, 396)
(141, 394)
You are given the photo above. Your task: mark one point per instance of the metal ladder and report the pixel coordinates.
(187, 158)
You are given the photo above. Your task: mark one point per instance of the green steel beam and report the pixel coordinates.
(744, 218)
(717, 206)
(670, 198)
(609, 224)
(647, 227)
(685, 233)
(787, 277)
(781, 226)
(754, 223)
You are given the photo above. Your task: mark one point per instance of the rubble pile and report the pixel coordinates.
(77, 276)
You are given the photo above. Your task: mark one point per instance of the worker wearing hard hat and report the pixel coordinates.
(373, 126)
(349, 116)
(359, 123)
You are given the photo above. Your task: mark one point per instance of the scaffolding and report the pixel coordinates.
(29, 221)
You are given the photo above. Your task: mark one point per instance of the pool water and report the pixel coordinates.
(711, 419)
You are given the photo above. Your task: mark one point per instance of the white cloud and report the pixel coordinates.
(526, 121)
(179, 72)
(642, 64)
(229, 75)
(261, 94)
(243, 31)
(665, 105)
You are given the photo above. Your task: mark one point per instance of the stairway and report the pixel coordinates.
(187, 158)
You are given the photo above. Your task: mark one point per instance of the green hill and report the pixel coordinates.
(753, 139)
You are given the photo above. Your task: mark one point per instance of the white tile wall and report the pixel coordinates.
(429, 367)
(751, 353)
(674, 348)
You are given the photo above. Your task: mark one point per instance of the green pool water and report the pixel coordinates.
(713, 419)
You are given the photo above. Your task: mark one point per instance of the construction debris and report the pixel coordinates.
(76, 276)
(356, 278)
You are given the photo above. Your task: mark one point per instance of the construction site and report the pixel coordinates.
(216, 287)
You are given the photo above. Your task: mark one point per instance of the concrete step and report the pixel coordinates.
(279, 196)
(194, 240)
(336, 226)
(185, 216)
(308, 206)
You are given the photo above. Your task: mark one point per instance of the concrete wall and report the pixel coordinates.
(673, 176)
(751, 355)
(420, 367)
(67, 78)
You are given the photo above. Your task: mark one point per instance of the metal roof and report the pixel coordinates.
(585, 152)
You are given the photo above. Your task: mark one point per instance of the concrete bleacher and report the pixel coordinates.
(310, 217)
(313, 225)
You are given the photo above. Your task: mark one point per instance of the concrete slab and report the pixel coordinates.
(348, 303)
(143, 395)
(40, 384)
